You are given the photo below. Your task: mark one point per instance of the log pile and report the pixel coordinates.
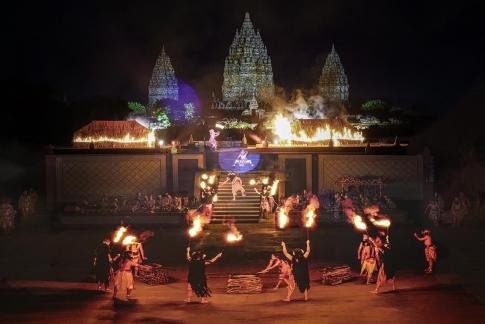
(154, 275)
(244, 284)
(336, 275)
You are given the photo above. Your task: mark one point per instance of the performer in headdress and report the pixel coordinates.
(102, 264)
(284, 269)
(137, 254)
(267, 201)
(236, 185)
(196, 277)
(387, 270)
(429, 249)
(212, 139)
(299, 269)
(365, 254)
(124, 277)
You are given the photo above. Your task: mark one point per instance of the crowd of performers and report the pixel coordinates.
(27, 205)
(141, 203)
(119, 262)
(440, 213)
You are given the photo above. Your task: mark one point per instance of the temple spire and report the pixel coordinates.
(247, 69)
(163, 84)
(333, 84)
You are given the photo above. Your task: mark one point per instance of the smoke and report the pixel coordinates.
(314, 107)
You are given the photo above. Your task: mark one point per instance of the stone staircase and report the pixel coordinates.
(243, 209)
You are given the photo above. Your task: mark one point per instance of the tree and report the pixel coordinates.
(375, 105)
(162, 119)
(136, 107)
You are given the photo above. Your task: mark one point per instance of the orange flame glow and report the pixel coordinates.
(233, 235)
(359, 223)
(283, 219)
(119, 234)
(196, 227)
(129, 240)
(149, 139)
(309, 215)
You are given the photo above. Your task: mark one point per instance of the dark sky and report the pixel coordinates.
(409, 52)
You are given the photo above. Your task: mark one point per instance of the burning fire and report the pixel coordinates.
(215, 198)
(359, 223)
(129, 240)
(310, 218)
(252, 182)
(384, 222)
(274, 187)
(211, 179)
(265, 181)
(283, 219)
(149, 139)
(233, 235)
(282, 127)
(119, 234)
(203, 185)
(196, 227)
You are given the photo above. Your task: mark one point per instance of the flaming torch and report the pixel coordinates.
(309, 218)
(130, 239)
(233, 235)
(196, 227)
(359, 223)
(212, 179)
(119, 234)
(215, 198)
(283, 219)
(274, 187)
(252, 182)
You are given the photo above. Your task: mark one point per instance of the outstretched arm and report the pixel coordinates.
(359, 250)
(272, 264)
(418, 238)
(188, 254)
(214, 259)
(307, 253)
(285, 251)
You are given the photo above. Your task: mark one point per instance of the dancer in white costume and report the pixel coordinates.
(212, 139)
(236, 185)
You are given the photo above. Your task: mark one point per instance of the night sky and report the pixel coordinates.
(408, 52)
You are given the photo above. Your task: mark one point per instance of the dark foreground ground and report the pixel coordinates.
(46, 278)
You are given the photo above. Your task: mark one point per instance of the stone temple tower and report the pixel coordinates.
(247, 70)
(333, 84)
(163, 84)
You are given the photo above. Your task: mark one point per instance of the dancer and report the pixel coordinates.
(102, 264)
(429, 249)
(267, 201)
(284, 270)
(434, 212)
(137, 254)
(236, 185)
(124, 277)
(365, 254)
(196, 277)
(387, 270)
(299, 269)
(212, 139)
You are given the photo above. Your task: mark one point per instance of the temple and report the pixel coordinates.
(163, 84)
(333, 84)
(247, 71)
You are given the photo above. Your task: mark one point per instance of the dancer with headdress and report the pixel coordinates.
(236, 185)
(387, 269)
(102, 264)
(196, 277)
(299, 269)
(430, 251)
(284, 269)
(124, 277)
(365, 254)
(212, 139)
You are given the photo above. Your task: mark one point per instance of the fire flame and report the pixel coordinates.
(283, 219)
(119, 233)
(282, 127)
(149, 139)
(196, 226)
(129, 240)
(233, 235)
(203, 185)
(211, 179)
(359, 223)
(265, 181)
(274, 187)
(310, 218)
(205, 176)
(384, 222)
(215, 198)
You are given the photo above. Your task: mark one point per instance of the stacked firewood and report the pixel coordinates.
(153, 275)
(244, 284)
(336, 275)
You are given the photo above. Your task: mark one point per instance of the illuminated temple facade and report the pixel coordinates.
(163, 84)
(333, 84)
(247, 71)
